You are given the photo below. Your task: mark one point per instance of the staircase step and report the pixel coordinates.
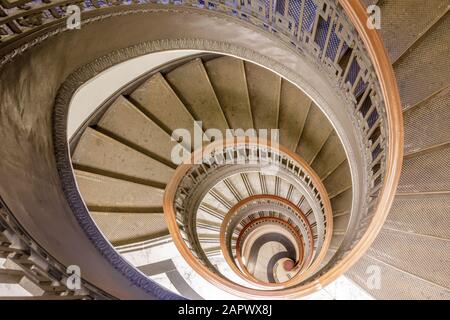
(254, 179)
(394, 284)
(315, 133)
(423, 215)
(340, 222)
(426, 172)
(427, 124)
(162, 105)
(208, 226)
(212, 251)
(402, 23)
(191, 83)
(238, 184)
(221, 203)
(264, 88)
(330, 156)
(221, 193)
(294, 108)
(342, 202)
(336, 241)
(126, 122)
(423, 256)
(227, 76)
(105, 192)
(208, 239)
(211, 213)
(270, 183)
(124, 228)
(102, 153)
(339, 181)
(424, 69)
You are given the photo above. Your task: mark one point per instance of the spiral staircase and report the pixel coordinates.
(267, 163)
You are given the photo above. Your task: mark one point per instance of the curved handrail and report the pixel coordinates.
(295, 280)
(241, 239)
(203, 270)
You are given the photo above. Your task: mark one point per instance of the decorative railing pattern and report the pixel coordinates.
(47, 276)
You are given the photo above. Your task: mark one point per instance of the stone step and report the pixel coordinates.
(264, 89)
(315, 133)
(227, 76)
(101, 153)
(158, 101)
(105, 192)
(126, 123)
(122, 228)
(191, 83)
(294, 108)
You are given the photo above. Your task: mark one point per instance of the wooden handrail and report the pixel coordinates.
(247, 274)
(223, 245)
(214, 278)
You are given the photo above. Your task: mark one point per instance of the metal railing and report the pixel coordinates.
(45, 277)
(180, 204)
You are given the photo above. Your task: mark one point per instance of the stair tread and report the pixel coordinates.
(227, 76)
(160, 102)
(402, 23)
(102, 191)
(425, 257)
(126, 122)
(191, 83)
(339, 180)
(342, 202)
(336, 241)
(264, 90)
(316, 131)
(426, 172)
(294, 107)
(124, 228)
(340, 223)
(394, 284)
(424, 69)
(424, 215)
(427, 124)
(329, 157)
(98, 151)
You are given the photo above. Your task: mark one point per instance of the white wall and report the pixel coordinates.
(93, 93)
